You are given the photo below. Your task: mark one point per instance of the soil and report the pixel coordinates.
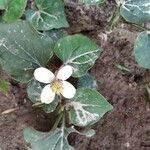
(127, 126)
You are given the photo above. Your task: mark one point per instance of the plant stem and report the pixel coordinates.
(115, 19)
(140, 27)
(60, 116)
(63, 120)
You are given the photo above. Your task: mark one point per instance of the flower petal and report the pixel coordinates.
(68, 90)
(65, 72)
(47, 95)
(43, 75)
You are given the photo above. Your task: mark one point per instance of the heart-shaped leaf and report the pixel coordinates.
(34, 90)
(87, 107)
(142, 49)
(78, 51)
(55, 140)
(136, 11)
(14, 10)
(49, 15)
(22, 50)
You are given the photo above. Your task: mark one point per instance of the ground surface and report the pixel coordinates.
(127, 127)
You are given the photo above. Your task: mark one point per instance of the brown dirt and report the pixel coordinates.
(127, 127)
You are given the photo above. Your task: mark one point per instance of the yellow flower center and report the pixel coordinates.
(57, 86)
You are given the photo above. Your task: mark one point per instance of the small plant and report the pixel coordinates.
(83, 106)
(30, 49)
(26, 61)
(24, 55)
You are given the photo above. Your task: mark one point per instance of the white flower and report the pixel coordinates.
(55, 84)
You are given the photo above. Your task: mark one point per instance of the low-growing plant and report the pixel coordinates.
(24, 55)
(31, 49)
(25, 59)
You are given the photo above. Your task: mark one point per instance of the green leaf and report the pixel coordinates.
(91, 2)
(4, 86)
(22, 50)
(136, 11)
(34, 90)
(142, 49)
(56, 140)
(87, 81)
(78, 51)
(50, 15)
(87, 107)
(14, 10)
(3, 4)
